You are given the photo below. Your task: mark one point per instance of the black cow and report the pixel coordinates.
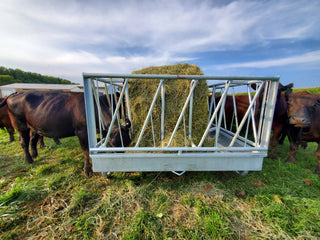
(57, 114)
(304, 120)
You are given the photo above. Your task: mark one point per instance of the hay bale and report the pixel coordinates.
(142, 92)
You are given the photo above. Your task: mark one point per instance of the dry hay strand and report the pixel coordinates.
(142, 92)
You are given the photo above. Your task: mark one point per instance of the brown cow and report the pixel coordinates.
(304, 118)
(279, 119)
(57, 114)
(5, 121)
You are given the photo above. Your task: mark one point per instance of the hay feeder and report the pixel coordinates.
(182, 146)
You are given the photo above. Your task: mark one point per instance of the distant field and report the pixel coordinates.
(52, 199)
(310, 90)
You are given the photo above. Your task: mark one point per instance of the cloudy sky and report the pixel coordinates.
(223, 37)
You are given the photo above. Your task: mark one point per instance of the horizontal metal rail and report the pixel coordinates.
(190, 77)
(177, 149)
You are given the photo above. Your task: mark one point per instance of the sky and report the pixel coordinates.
(223, 37)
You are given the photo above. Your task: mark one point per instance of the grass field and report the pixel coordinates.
(52, 199)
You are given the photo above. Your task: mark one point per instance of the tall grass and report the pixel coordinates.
(52, 199)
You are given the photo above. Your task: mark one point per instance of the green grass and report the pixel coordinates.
(52, 199)
(310, 90)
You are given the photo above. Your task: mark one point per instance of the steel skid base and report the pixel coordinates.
(119, 162)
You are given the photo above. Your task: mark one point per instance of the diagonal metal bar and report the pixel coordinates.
(245, 116)
(150, 112)
(182, 112)
(115, 113)
(223, 96)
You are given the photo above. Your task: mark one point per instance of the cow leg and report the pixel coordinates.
(277, 130)
(57, 141)
(83, 139)
(304, 144)
(11, 134)
(317, 155)
(24, 140)
(41, 142)
(292, 153)
(294, 139)
(273, 149)
(34, 141)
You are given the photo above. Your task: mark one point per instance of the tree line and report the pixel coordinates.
(9, 75)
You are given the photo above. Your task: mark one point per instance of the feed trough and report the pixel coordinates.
(228, 141)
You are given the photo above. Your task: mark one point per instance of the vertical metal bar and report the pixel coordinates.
(149, 114)
(212, 102)
(247, 131)
(151, 122)
(213, 117)
(117, 114)
(235, 110)
(268, 116)
(184, 131)
(190, 110)
(91, 123)
(254, 129)
(122, 113)
(163, 99)
(96, 95)
(222, 112)
(128, 105)
(182, 112)
(111, 96)
(262, 108)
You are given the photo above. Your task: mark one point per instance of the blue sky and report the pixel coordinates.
(254, 38)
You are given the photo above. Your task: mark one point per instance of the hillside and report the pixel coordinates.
(9, 75)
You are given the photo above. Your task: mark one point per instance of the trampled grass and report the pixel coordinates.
(52, 199)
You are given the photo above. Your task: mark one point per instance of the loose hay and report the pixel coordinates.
(141, 95)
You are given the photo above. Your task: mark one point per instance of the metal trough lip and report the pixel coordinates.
(161, 76)
(176, 149)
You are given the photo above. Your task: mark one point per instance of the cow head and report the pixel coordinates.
(302, 108)
(287, 89)
(115, 138)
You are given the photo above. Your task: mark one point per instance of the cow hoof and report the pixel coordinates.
(88, 173)
(291, 160)
(34, 155)
(273, 156)
(29, 161)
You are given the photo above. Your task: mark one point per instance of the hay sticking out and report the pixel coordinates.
(142, 92)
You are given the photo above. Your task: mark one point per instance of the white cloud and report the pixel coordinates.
(69, 37)
(311, 57)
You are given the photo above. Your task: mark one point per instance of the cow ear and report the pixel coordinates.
(285, 88)
(288, 91)
(254, 86)
(290, 85)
